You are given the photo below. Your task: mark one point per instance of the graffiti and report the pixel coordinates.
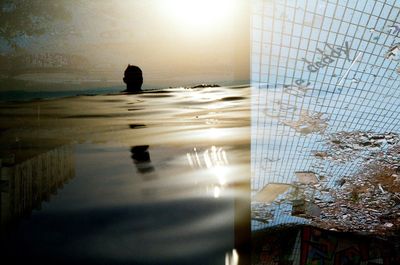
(278, 107)
(308, 246)
(271, 250)
(393, 51)
(328, 57)
(318, 246)
(299, 89)
(285, 110)
(388, 30)
(324, 247)
(396, 29)
(309, 122)
(348, 256)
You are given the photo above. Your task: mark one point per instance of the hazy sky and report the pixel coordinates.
(175, 42)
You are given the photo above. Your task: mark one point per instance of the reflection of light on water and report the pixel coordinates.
(189, 160)
(198, 159)
(216, 162)
(232, 259)
(217, 192)
(214, 158)
(214, 133)
(220, 172)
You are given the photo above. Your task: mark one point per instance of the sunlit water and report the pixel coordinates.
(151, 178)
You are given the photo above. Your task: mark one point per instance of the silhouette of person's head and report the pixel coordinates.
(133, 78)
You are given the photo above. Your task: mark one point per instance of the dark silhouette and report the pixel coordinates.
(133, 79)
(141, 158)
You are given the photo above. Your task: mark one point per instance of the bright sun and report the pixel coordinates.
(199, 14)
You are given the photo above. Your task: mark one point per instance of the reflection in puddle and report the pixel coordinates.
(26, 182)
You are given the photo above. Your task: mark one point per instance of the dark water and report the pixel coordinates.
(21, 95)
(110, 212)
(157, 178)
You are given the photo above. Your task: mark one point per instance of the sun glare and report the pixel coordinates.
(198, 14)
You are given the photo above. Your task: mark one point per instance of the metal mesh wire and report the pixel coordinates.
(318, 68)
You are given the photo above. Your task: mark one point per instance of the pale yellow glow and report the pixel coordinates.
(198, 14)
(215, 133)
(217, 192)
(220, 173)
(232, 259)
(215, 161)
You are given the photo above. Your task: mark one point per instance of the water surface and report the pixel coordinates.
(152, 178)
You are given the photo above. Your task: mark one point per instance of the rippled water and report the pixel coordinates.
(153, 178)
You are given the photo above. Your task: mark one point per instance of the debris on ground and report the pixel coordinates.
(369, 201)
(309, 122)
(259, 212)
(346, 146)
(366, 201)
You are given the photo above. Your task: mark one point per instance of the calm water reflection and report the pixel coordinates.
(170, 192)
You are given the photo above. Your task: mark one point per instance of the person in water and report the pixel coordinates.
(133, 79)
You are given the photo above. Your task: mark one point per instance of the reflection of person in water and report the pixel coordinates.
(141, 158)
(133, 79)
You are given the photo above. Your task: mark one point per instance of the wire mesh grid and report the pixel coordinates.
(319, 68)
